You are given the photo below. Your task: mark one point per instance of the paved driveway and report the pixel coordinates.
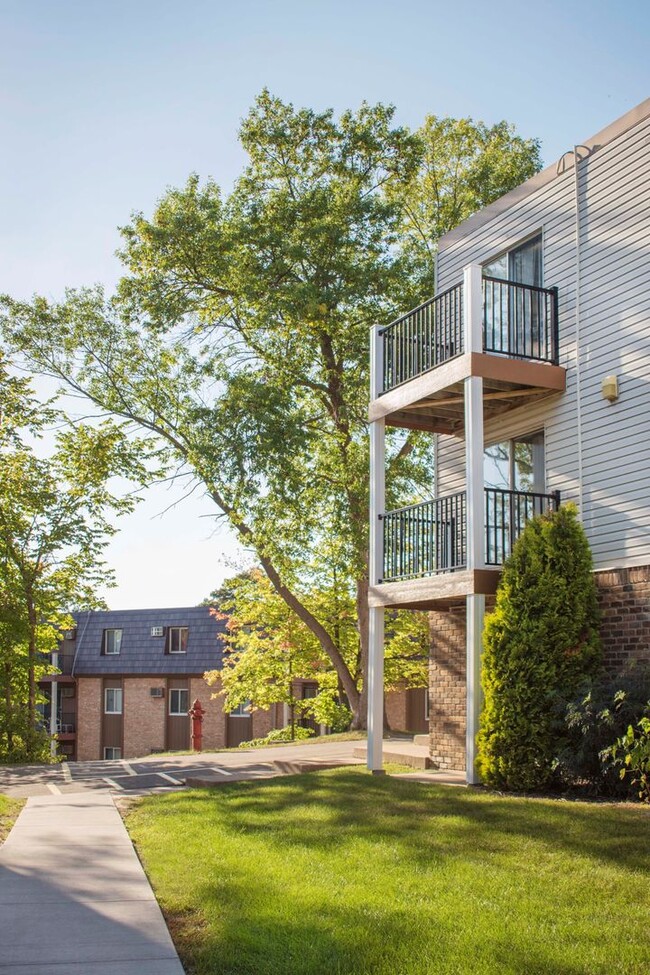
(163, 773)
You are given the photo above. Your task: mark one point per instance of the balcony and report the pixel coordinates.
(503, 332)
(431, 538)
(519, 321)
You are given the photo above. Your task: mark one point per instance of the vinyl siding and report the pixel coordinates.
(614, 286)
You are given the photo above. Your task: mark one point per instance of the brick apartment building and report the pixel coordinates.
(128, 678)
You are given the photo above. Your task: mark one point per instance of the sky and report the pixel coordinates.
(105, 105)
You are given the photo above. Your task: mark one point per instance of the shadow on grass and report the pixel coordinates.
(338, 941)
(286, 812)
(349, 874)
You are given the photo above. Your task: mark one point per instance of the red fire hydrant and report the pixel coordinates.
(196, 714)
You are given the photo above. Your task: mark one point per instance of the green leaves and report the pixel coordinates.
(540, 644)
(237, 342)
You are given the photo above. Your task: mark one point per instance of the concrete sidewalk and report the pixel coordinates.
(74, 897)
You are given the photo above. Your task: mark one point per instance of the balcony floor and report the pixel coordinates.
(436, 591)
(434, 401)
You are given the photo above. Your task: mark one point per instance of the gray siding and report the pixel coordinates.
(613, 289)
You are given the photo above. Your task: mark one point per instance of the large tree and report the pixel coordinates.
(56, 516)
(238, 337)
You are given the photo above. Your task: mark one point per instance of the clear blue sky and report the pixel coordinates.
(104, 104)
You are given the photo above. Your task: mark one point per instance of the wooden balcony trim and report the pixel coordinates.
(432, 591)
(517, 372)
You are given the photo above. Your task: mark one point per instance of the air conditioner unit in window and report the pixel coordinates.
(157, 691)
(157, 630)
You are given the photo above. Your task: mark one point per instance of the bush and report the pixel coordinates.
(631, 753)
(280, 735)
(599, 715)
(541, 642)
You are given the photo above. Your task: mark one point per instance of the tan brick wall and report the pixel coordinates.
(447, 713)
(624, 599)
(395, 703)
(89, 718)
(144, 716)
(214, 719)
(263, 722)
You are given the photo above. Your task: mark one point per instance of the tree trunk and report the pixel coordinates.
(360, 720)
(31, 666)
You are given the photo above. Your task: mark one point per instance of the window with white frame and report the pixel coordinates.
(179, 700)
(242, 710)
(177, 639)
(112, 700)
(111, 753)
(112, 642)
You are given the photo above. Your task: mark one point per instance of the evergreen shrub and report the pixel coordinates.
(540, 644)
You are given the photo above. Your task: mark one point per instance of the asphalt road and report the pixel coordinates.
(159, 773)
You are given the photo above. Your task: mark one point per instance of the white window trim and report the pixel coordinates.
(113, 758)
(106, 690)
(112, 653)
(170, 631)
(178, 690)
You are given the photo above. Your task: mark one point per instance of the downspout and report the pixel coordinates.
(578, 227)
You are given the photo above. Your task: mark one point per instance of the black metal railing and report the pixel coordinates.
(429, 538)
(426, 538)
(425, 337)
(520, 320)
(506, 514)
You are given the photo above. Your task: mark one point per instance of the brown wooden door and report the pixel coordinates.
(416, 710)
(306, 720)
(239, 726)
(177, 733)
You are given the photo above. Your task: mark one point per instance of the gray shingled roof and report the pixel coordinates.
(140, 653)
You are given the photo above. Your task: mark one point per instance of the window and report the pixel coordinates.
(515, 317)
(427, 704)
(242, 710)
(522, 264)
(516, 465)
(112, 642)
(112, 700)
(177, 639)
(179, 700)
(111, 754)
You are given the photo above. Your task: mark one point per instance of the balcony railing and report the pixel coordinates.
(425, 538)
(506, 514)
(423, 338)
(430, 538)
(519, 321)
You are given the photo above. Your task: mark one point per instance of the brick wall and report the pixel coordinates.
(144, 717)
(214, 719)
(89, 718)
(263, 722)
(447, 712)
(624, 598)
(395, 703)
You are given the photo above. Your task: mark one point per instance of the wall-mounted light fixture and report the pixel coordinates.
(609, 388)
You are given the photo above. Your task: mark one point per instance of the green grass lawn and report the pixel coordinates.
(343, 873)
(9, 809)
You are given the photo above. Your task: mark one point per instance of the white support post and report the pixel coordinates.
(376, 563)
(475, 618)
(474, 447)
(473, 307)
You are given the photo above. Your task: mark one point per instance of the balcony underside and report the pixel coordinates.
(436, 591)
(434, 401)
